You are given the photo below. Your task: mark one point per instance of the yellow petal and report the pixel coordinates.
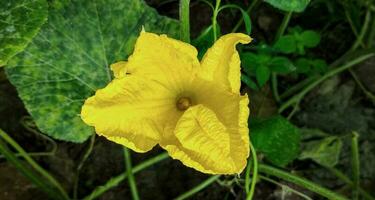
(119, 69)
(232, 110)
(240, 134)
(138, 143)
(221, 63)
(202, 142)
(163, 59)
(130, 111)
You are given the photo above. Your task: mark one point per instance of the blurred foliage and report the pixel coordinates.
(320, 147)
(336, 111)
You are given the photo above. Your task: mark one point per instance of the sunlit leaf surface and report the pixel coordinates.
(20, 21)
(68, 60)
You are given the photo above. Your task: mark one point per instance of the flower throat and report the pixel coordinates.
(183, 103)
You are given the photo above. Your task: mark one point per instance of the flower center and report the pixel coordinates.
(183, 103)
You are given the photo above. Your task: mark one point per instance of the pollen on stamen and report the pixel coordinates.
(183, 103)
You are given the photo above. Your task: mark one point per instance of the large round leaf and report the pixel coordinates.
(68, 60)
(289, 5)
(20, 21)
(276, 138)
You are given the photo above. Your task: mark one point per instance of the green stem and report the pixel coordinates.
(363, 31)
(250, 194)
(285, 187)
(33, 164)
(283, 26)
(351, 23)
(208, 3)
(113, 182)
(214, 19)
(28, 173)
(185, 20)
(198, 188)
(286, 176)
(347, 180)
(247, 175)
(356, 44)
(280, 32)
(355, 165)
(298, 97)
(275, 90)
(368, 94)
(80, 165)
(294, 110)
(129, 172)
(248, 11)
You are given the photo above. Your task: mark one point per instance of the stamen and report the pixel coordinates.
(183, 103)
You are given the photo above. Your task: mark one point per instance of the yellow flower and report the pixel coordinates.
(164, 95)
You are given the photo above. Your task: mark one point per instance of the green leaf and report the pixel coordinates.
(311, 66)
(69, 59)
(250, 83)
(310, 38)
(263, 48)
(20, 21)
(289, 5)
(320, 65)
(247, 21)
(249, 62)
(262, 74)
(325, 151)
(303, 65)
(286, 44)
(276, 138)
(281, 65)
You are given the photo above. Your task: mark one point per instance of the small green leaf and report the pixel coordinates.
(250, 83)
(310, 39)
(311, 66)
(249, 62)
(320, 65)
(289, 5)
(325, 151)
(303, 65)
(286, 44)
(263, 48)
(246, 20)
(281, 65)
(262, 74)
(20, 21)
(276, 138)
(69, 59)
